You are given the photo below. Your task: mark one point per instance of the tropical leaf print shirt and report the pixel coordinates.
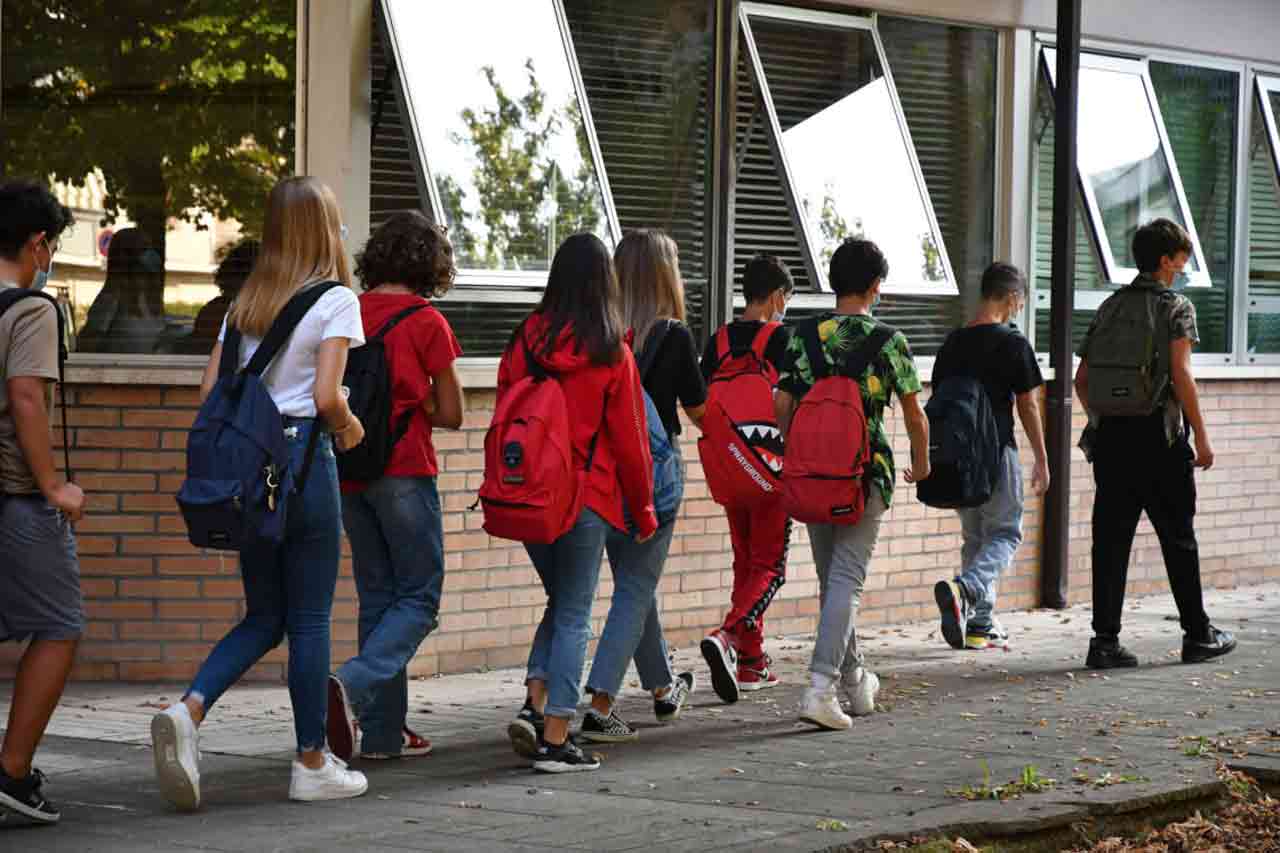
(892, 371)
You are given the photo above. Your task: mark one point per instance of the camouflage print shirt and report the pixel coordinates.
(893, 371)
(1181, 324)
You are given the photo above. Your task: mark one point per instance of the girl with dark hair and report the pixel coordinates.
(394, 522)
(576, 334)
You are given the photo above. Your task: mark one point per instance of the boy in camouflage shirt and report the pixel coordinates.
(1146, 463)
(842, 553)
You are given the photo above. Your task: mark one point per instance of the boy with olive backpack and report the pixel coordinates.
(979, 373)
(1136, 384)
(840, 373)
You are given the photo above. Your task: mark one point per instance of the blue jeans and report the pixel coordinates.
(569, 569)
(992, 533)
(397, 553)
(634, 627)
(288, 589)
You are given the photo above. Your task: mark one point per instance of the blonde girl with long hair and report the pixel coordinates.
(288, 587)
(653, 307)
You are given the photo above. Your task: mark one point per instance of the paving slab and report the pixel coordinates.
(746, 776)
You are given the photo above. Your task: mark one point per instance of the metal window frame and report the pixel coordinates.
(1137, 66)
(838, 21)
(470, 279)
(1262, 84)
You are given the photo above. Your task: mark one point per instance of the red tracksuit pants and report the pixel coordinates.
(760, 536)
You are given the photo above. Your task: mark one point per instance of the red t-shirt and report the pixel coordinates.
(418, 348)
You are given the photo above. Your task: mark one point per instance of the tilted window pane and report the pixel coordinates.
(499, 118)
(1122, 159)
(1264, 203)
(164, 134)
(850, 163)
(1200, 108)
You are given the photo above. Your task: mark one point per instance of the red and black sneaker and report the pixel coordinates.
(754, 673)
(340, 721)
(413, 745)
(722, 660)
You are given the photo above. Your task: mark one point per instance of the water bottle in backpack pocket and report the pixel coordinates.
(828, 445)
(239, 481)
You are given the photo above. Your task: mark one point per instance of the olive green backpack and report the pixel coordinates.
(1128, 353)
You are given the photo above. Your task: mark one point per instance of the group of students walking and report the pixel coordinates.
(329, 400)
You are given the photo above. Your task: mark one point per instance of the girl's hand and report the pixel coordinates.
(350, 435)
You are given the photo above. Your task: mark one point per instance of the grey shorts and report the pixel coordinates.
(39, 572)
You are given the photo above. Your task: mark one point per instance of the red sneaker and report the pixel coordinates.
(414, 745)
(754, 674)
(722, 660)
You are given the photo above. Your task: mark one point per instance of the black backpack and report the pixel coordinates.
(964, 445)
(11, 297)
(368, 376)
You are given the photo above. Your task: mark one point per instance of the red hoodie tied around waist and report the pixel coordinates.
(604, 398)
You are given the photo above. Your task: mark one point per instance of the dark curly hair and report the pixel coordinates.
(408, 249)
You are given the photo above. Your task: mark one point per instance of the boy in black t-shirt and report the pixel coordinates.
(996, 354)
(735, 651)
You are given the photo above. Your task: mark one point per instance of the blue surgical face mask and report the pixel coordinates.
(42, 277)
(1180, 280)
(343, 231)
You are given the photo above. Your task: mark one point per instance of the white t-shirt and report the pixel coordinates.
(290, 379)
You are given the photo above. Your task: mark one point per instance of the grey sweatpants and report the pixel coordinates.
(842, 554)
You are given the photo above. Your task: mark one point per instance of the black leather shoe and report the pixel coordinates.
(1110, 655)
(1215, 644)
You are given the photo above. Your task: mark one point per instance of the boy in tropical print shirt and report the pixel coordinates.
(842, 553)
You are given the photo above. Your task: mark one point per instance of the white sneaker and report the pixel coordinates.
(822, 708)
(332, 781)
(175, 744)
(860, 689)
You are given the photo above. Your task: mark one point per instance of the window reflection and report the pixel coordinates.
(850, 163)
(162, 131)
(500, 122)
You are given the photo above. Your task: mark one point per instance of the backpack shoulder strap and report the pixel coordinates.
(722, 344)
(760, 343)
(284, 324)
(395, 321)
(12, 297)
(858, 359)
(812, 341)
(653, 345)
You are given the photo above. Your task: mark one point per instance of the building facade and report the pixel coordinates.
(738, 127)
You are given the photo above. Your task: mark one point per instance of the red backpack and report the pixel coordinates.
(741, 446)
(828, 445)
(531, 490)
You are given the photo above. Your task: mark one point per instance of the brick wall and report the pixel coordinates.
(156, 605)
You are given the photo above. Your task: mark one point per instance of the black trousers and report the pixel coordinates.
(1135, 471)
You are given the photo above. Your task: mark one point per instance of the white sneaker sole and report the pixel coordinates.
(724, 675)
(828, 725)
(752, 686)
(861, 708)
(176, 784)
(23, 810)
(563, 767)
(330, 794)
(524, 738)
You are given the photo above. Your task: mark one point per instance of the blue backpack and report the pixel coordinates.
(239, 481)
(668, 476)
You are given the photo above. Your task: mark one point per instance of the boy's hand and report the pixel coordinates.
(69, 499)
(349, 436)
(916, 475)
(1040, 478)
(1204, 453)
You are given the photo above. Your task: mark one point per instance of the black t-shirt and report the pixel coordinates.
(741, 335)
(1001, 358)
(674, 376)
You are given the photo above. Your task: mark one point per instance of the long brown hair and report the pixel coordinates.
(301, 244)
(648, 264)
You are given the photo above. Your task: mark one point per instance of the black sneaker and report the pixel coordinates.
(722, 660)
(953, 605)
(1109, 654)
(670, 707)
(1215, 644)
(23, 797)
(597, 728)
(525, 731)
(565, 758)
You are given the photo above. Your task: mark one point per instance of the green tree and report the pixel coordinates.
(521, 188)
(184, 106)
